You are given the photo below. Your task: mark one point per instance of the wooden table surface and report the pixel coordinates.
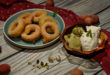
(18, 58)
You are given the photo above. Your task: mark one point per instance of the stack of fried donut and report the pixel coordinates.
(30, 26)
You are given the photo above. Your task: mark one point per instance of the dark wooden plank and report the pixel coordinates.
(88, 6)
(38, 1)
(19, 62)
(7, 49)
(65, 3)
(105, 19)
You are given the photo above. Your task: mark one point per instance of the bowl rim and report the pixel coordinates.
(80, 51)
(34, 46)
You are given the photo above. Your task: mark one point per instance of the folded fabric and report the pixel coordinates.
(105, 63)
(9, 2)
(99, 57)
(68, 16)
(104, 57)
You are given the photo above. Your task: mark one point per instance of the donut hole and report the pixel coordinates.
(49, 30)
(24, 17)
(31, 31)
(15, 25)
(37, 15)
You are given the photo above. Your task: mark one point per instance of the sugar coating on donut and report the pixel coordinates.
(38, 14)
(31, 33)
(27, 17)
(47, 36)
(16, 28)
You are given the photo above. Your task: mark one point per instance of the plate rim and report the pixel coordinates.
(32, 46)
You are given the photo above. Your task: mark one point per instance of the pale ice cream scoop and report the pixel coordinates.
(95, 30)
(90, 39)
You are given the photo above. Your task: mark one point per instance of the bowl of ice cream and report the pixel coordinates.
(84, 41)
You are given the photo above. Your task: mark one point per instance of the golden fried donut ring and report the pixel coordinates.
(35, 35)
(46, 19)
(38, 14)
(46, 36)
(27, 17)
(16, 28)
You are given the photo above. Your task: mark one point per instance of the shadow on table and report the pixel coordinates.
(50, 47)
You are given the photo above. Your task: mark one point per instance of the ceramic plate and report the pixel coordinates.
(38, 44)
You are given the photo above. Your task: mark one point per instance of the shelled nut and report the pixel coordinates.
(51, 59)
(58, 58)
